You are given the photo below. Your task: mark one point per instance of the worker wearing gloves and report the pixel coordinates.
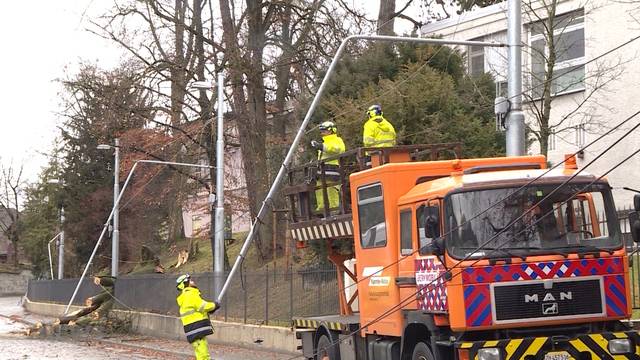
(378, 132)
(330, 145)
(194, 313)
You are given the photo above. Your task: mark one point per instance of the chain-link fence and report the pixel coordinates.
(270, 296)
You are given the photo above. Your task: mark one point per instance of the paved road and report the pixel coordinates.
(15, 345)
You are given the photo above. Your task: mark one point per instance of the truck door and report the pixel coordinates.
(377, 256)
(429, 269)
(406, 279)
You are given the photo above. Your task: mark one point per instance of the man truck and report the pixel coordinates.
(452, 258)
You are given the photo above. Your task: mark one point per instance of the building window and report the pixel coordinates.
(568, 72)
(581, 135)
(475, 57)
(552, 140)
(373, 229)
(501, 89)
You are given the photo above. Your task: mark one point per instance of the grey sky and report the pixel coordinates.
(41, 39)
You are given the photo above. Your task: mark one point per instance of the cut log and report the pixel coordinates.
(103, 311)
(107, 281)
(183, 256)
(76, 314)
(98, 299)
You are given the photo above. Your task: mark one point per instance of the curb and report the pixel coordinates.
(143, 347)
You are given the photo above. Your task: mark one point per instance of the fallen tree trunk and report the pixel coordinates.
(74, 316)
(107, 281)
(98, 299)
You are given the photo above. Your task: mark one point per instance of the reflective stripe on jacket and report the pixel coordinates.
(194, 314)
(378, 132)
(332, 145)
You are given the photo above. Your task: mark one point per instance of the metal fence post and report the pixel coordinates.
(244, 296)
(266, 297)
(290, 292)
(225, 310)
(318, 282)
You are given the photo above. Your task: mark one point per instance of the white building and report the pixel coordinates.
(196, 212)
(592, 92)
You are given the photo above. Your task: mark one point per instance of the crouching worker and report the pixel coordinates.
(194, 313)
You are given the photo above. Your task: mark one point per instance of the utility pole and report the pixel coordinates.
(218, 216)
(218, 254)
(61, 246)
(115, 237)
(515, 119)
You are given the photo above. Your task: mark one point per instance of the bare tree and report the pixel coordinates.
(11, 186)
(557, 53)
(271, 51)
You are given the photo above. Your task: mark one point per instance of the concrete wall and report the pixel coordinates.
(269, 337)
(14, 283)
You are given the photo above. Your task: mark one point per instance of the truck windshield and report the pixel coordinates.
(561, 224)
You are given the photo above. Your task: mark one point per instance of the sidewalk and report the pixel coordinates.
(183, 348)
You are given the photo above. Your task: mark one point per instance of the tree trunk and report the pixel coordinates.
(74, 316)
(98, 299)
(251, 116)
(386, 17)
(547, 95)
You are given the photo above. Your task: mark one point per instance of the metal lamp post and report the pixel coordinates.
(60, 237)
(218, 251)
(115, 237)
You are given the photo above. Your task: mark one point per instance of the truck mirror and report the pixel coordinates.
(434, 246)
(431, 227)
(636, 202)
(634, 224)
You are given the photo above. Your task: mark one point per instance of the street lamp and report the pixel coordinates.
(115, 237)
(60, 237)
(218, 251)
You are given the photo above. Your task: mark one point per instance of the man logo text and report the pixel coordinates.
(548, 297)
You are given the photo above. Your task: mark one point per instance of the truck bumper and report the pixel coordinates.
(583, 347)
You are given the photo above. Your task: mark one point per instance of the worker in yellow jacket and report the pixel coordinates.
(378, 132)
(330, 145)
(194, 313)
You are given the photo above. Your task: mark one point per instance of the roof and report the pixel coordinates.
(493, 177)
(498, 8)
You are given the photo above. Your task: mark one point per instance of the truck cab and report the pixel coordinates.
(489, 259)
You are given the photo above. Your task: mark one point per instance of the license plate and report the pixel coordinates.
(560, 355)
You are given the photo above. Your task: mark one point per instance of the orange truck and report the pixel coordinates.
(440, 257)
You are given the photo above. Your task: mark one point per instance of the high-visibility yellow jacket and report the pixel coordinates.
(378, 132)
(332, 145)
(194, 314)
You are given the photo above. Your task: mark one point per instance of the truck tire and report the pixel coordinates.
(421, 352)
(326, 350)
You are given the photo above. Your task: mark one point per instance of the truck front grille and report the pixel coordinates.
(547, 299)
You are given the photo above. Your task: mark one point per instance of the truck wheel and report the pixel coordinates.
(326, 350)
(421, 352)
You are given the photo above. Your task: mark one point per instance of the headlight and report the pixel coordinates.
(620, 346)
(489, 354)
